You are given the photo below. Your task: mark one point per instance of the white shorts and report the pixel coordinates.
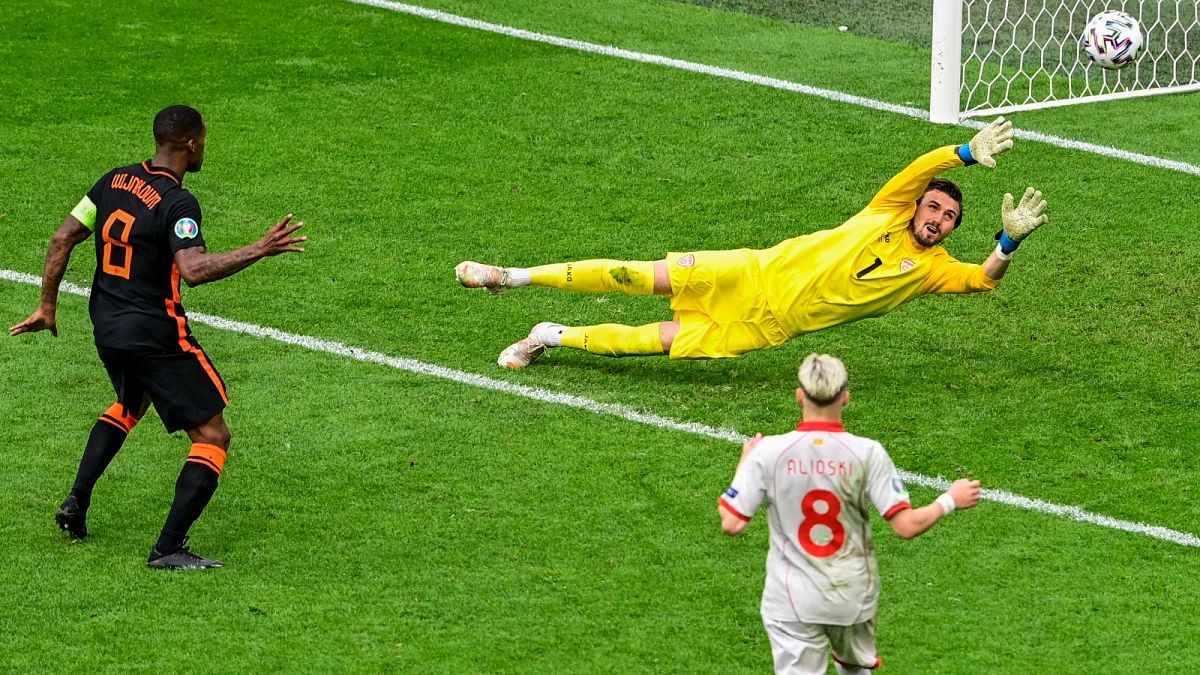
(803, 648)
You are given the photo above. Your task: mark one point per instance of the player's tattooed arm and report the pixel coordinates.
(198, 266)
(69, 235)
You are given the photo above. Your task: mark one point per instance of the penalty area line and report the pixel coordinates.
(614, 410)
(761, 80)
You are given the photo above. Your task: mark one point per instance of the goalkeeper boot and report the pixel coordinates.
(524, 352)
(477, 275)
(181, 559)
(72, 518)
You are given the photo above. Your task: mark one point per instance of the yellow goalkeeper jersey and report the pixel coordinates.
(869, 265)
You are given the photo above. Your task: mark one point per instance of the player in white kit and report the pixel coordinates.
(819, 483)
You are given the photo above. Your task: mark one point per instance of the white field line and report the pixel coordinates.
(775, 83)
(614, 410)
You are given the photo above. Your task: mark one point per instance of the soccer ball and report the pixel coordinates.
(1112, 39)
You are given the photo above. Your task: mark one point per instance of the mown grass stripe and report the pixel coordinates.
(775, 83)
(615, 410)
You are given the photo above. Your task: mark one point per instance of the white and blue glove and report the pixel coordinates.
(990, 141)
(1020, 220)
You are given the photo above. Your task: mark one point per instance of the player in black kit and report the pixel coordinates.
(148, 238)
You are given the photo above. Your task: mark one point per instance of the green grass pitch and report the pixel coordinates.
(375, 520)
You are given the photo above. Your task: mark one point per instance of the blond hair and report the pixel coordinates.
(823, 378)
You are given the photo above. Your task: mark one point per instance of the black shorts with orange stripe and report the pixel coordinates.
(184, 387)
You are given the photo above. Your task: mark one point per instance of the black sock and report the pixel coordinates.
(103, 444)
(193, 489)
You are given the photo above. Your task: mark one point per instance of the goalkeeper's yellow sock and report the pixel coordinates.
(611, 339)
(597, 276)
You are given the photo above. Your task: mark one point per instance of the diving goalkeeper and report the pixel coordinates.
(730, 302)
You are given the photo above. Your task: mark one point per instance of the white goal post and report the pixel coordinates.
(994, 57)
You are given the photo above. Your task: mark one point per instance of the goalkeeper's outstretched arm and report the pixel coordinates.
(907, 186)
(1018, 222)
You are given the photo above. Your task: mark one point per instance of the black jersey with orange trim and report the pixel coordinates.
(143, 216)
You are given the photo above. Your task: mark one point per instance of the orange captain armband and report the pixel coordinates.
(118, 416)
(209, 455)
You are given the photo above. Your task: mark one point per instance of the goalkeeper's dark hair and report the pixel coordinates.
(952, 190)
(177, 124)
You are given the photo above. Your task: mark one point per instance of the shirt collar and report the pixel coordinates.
(911, 245)
(820, 426)
(161, 170)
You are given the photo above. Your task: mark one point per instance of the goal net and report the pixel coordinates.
(993, 57)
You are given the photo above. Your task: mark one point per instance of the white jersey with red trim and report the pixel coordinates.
(819, 483)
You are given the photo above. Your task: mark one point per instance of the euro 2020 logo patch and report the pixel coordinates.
(906, 265)
(686, 261)
(186, 228)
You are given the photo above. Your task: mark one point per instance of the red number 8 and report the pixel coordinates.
(828, 519)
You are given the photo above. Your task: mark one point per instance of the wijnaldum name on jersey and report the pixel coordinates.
(139, 188)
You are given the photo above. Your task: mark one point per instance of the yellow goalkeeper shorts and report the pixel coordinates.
(720, 302)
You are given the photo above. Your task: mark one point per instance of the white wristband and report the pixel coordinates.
(946, 502)
(1002, 255)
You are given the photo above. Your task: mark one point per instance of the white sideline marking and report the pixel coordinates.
(775, 83)
(614, 410)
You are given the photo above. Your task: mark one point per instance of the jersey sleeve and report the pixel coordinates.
(887, 490)
(906, 187)
(183, 223)
(85, 210)
(948, 275)
(748, 489)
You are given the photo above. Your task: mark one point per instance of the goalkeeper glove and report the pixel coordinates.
(990, 141)
(1020, 220)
